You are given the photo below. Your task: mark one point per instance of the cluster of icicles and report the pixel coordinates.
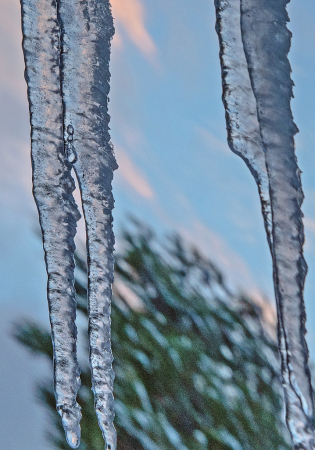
(257, 90)
(66, 46)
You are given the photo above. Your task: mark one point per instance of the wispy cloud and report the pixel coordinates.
(309, 224)
(11, 57)
(231, 264)
(236, 270)
(132, 138)
(117, 41)
(199, 234)
(15, 175)
(129, 15)
(132, 175)
(212, 141)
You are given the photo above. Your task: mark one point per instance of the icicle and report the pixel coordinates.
(52, 188)
(257, 90)
(87, 29)
(67, 50)
(266, 52)
(241, 116)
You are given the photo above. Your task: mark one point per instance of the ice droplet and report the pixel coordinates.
(71, 153)
(70, 130)
(72, 439)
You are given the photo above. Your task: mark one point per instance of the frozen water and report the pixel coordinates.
(241, 116)
(67, 50)
(87, 29)
(257, 90)
(52, 188)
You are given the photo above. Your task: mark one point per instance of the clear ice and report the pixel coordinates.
(257, 90)
(66, 48)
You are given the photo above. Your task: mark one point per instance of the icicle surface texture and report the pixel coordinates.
(87, 30)
(257, 90)
(67, 50)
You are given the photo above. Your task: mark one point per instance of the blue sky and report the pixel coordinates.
(168, 128)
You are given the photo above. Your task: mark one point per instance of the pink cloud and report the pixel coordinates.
(129, 14)
(132, 175)
(11, 56)
(231, 264)
(213, 141)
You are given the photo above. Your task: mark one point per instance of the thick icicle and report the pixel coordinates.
(254, 43)
(52, 188)
(67, 48)
(87, 28)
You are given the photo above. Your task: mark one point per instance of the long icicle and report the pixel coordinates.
(67, 50)
(87, 29)
(52, 188)
(257, 91)
(266, 52)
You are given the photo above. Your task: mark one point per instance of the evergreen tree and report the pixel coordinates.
(195, 367)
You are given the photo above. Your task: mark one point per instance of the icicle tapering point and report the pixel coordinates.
(67, 91)
(257, 90)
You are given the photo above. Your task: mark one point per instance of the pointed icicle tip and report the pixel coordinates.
(72, 429)
(72, 439)
(110, 437)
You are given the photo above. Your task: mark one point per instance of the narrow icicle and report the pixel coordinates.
(240, 105)
(67, 49)
(52, 189)
(87, 29)
(257, 90)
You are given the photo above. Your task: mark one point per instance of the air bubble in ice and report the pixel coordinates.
(71, 153)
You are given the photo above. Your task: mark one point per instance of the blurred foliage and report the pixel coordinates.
(195, 368)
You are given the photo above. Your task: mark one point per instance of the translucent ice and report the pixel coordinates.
(67, 49)
(257, 90)
(241, 116)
